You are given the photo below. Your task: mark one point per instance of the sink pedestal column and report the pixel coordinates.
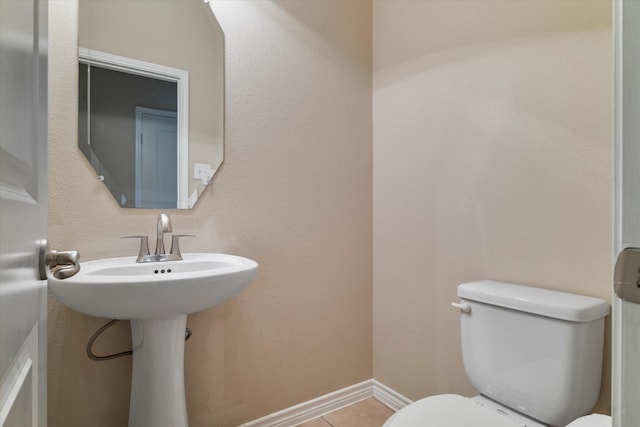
(157, 383)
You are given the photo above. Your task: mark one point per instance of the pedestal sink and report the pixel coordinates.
(156, 297)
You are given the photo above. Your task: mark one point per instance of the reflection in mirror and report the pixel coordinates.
(152, 172)
(150, 117)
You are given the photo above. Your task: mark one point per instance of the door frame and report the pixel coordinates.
(626, 315)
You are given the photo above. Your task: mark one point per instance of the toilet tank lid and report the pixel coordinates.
(544, 302)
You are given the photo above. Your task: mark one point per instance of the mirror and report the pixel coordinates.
(151, 99)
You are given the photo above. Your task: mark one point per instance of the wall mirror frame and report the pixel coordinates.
(178, 42)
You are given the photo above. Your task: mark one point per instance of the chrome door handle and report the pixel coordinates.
(62, 264)
(626, 275)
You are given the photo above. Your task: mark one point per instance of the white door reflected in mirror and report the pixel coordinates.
(156, 171)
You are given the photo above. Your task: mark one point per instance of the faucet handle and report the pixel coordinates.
(175, 246)
(144, 245)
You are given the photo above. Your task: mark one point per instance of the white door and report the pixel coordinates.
(156, 158)
(23, 211)
(626, 314)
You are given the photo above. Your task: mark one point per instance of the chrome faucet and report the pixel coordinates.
(163, 226)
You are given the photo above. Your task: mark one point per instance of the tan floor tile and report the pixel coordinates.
(367, 413)
(318, 422)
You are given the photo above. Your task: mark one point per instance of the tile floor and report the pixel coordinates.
(366, 413)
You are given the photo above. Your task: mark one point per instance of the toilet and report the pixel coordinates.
(535, 356)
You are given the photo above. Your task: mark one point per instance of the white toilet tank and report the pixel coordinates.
(534, 350)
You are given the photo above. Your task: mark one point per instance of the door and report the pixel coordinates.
(23, 211)
(156, 158)
(626, 314)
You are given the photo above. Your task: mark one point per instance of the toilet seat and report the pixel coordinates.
(448, 410)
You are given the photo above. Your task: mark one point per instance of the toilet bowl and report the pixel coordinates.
(594, 420)
(535, 350)
(452, 410)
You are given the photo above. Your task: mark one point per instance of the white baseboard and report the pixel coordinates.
(319, 406)
(388, 396)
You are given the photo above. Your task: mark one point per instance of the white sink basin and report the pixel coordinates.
(120, 288)
(156, 297)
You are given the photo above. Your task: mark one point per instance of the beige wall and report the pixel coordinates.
(294, 194)
(492, 159)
